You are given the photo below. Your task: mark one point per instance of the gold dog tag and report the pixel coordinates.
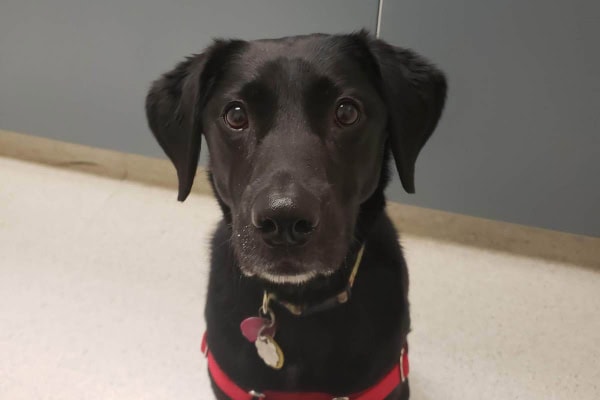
(269, 351)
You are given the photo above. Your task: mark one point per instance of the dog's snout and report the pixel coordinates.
(286, 219)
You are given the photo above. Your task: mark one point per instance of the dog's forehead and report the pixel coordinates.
(292, 65)
(300, 60)
(307, 47)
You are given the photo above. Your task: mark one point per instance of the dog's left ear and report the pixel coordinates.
(415, 93)
(174, 106)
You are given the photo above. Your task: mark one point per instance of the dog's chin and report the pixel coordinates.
(297, 279)
(287, 273)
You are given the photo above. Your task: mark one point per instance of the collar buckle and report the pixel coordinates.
(404, 364)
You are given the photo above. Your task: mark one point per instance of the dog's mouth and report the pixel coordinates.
(288, 266)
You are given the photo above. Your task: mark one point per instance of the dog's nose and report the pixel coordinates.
(286, 219)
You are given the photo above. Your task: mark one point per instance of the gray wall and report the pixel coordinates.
(79, 70)
(519, 141)
(520, 138)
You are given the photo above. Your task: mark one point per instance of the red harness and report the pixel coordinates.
(379, 391)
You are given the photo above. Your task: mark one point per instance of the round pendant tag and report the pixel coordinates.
(269, 351)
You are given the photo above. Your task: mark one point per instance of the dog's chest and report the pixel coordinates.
(292, 375)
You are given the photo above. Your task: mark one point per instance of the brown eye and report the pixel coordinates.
(347, 113)
(235, 117)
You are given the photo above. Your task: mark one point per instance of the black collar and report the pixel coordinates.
(330, 302)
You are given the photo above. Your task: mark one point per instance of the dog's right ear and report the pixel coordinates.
(174, 108)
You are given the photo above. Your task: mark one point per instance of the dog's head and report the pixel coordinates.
(297, 129)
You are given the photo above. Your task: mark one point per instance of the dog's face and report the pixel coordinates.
(296, 139)
(297, 130)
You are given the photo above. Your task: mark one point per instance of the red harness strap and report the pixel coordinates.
(379, 391)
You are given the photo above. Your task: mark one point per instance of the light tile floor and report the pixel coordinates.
(102, 286)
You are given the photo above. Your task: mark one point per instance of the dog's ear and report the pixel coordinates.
(415, 93)
(174, 109)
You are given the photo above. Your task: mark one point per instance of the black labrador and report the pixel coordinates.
(300, 131)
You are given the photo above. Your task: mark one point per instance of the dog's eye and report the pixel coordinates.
(235, 117)
(347, 113)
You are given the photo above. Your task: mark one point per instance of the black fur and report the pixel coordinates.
(291, 147)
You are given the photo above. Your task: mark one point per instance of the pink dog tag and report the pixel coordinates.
(251, 325)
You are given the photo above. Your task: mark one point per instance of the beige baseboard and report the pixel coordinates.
(550, 245)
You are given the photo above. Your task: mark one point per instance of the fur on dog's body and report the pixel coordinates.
(300, 182)
(340, 351)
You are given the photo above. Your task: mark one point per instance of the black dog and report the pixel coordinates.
(300, 131)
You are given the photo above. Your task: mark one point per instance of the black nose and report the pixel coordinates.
(286, 218)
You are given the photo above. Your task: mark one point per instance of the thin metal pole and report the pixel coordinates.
(379, 12)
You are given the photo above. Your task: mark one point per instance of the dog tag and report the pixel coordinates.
(269, 351)
(252, 325)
